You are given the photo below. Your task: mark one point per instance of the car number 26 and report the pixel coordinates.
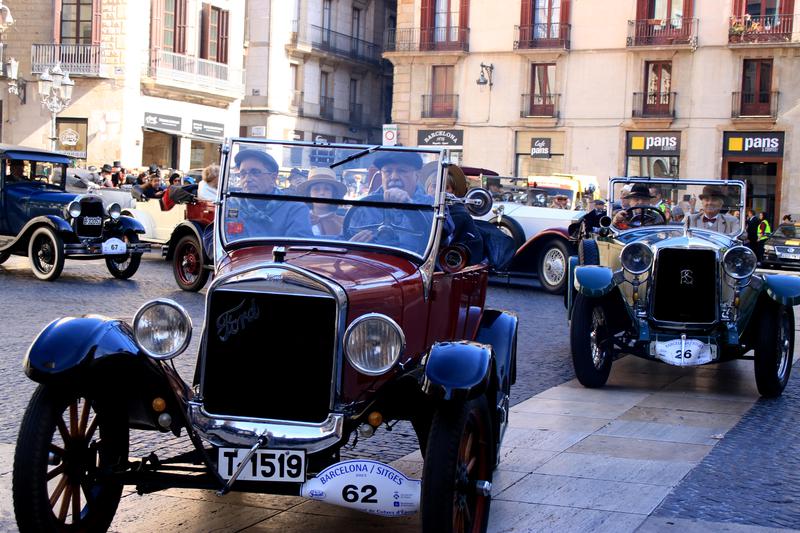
(264, 465)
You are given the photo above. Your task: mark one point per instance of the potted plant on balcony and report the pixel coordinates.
(736, 30)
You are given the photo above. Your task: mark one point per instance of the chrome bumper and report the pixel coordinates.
(96, 248)
(243, 432)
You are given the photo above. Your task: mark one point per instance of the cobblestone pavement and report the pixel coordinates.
(29, 305)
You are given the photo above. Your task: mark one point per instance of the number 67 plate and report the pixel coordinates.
(264, 465)
(688, 352)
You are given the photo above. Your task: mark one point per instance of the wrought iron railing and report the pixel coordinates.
(339, 44)
(544, 35)
(755, 104)
(356, 113)
(201, 73)
(427, 39)
(677, 31)
(326, 107)
(539, 105)
(767, 29)
(77, 59)
(654, 105)
(439, 106)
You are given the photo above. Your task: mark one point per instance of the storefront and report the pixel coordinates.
(655, 154)
(539, 153)
(451, 139)
(204, 152)
(756, 158)
(161, 140)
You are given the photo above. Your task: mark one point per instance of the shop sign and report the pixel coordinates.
(297, 135)
(541, 147)
(760, 143)
(440, 138)
(320, 138)
(166, 122)
(659, 143)
(322, 156)
(211, 129)
(258, 131)
(68, 137)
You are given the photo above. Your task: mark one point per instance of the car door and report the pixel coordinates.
(456, 301)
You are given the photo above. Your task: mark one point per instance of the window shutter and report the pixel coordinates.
(738, 6)
(205, 30)
(641, 9)
(56, 21)
(223, 37)
(96, 27)
(464, 15)
(426, 14)
(180, 27)
(525, 13)
(156, 29)
(688, 9)
(787, 8)
(565, 11)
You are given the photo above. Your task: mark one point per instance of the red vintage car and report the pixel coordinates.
(328, 319)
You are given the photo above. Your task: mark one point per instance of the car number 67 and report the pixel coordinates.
(350, 493)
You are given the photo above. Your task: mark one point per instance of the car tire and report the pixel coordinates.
(773, 347)
(125, 266)
(188, 264)
(589, 342)
(460, 432)
(553, 260)
(46, 254)
(4, 257)
(511, 227)
(588, 252)
(87, 443)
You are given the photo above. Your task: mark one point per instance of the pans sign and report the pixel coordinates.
(540, 147)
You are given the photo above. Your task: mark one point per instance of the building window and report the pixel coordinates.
(446, 20)
(547, 19)
(542, 101)
(357, 32)
(214, 34)
(76, 21)
(657, 87)
(326, 14)
(762, 8)
(441, 102)
(756, 86)
(325, 101)
(665, 9)
(174, 30)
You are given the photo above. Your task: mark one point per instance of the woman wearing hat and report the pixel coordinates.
(322, 183)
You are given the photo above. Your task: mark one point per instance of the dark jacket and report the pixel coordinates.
(752, 229)
(252, 218)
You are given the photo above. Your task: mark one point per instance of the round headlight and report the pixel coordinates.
(636, 258)
(373, 343)
(114, 211)
(74, 209)
(162, 329)
(739, 262)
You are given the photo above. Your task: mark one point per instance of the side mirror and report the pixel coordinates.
(478, 201)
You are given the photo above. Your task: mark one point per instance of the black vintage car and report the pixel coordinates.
(782, 249)
(42, 221)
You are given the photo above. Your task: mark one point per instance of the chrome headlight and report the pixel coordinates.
(162, 329)
(636, 258)
(373, 343)
(114, 211)
(739, 262)
(769, 248)
(74, 209)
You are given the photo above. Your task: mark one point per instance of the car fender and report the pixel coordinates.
(498, 329)
(594, 281)
(569, 293)
(783, 289)
(61, 226)
(128, 223)
(144, 219)
(527, 257)
(457, 370)
(187, 227)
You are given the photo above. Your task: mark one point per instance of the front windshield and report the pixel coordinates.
(365, 195)
(525, 192)
(788, 231)
(710, 205)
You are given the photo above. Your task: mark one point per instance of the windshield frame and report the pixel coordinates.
(679, 182)
(223, 246)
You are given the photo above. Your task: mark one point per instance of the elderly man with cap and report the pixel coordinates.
(255, 173)
(637, 196)
(591, 220)
(710, 217)
(322, 183)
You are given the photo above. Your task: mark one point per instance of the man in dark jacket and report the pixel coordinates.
(752, 231)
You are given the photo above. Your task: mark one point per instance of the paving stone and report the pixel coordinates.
(572, 408)
(350, 521)
(542, 439)
(665, 473)
(516, 517)
(524, 459)
(687, 401)
(660, 432)
(640, 449)
(611, 394)
(680, 525)
(715, 421)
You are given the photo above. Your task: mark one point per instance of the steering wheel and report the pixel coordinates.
(647, 216)
(391, 223)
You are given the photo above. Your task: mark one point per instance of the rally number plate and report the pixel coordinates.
(264, 465)
(114, 246)
(690, 352)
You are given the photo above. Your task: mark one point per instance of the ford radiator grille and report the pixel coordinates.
(90, 222)
(685, 286)
(269, 355)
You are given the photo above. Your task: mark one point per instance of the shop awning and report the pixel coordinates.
(192, 136)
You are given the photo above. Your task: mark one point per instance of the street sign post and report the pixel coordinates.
(389, 135)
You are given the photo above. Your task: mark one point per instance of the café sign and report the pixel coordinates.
(440, 138)
(541, 147)
(660, 143)
(760, 143)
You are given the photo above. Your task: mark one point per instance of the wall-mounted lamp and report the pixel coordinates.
(16, 85)
(486, 75)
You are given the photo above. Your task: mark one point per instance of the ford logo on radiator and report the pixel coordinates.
(92, 221)
(235, 320)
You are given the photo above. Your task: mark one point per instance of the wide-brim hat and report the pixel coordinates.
(712, 190)
(322, 175)
(639, 190)
(267, 160)
(412, 159)
(106, 168)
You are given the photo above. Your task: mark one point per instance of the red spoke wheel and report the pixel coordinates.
(64, 456)
(459, 463)
(187, 264)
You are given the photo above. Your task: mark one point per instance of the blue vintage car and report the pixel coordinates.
(42, 221)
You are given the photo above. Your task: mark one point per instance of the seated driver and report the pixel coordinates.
(637, 196)
(710, 218)
(16, 171)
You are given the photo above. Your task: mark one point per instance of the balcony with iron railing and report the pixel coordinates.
(769, 30)
(539, 105)
(440, 106)
(654, 105)
(192, 73)
(326, 107)
(452, 39)
(335, 43)
(757, 104)
(356, 113)
(77, 59)
(553, 35)
(676, 32)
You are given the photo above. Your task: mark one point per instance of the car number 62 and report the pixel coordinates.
(350, 493)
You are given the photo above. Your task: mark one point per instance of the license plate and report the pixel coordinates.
(264, 465)
(790, 256)
(114, 246)
(690, 352)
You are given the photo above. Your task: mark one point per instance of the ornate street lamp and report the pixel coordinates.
(55, 92)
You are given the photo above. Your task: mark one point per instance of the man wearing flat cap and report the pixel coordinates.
(591, 220)
(710, 217)
(255, 173)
